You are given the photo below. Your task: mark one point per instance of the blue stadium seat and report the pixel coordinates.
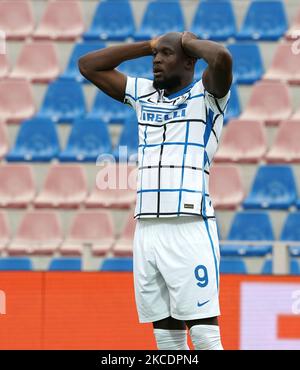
(113, 20)
(247, 63)
(233, 266)
(108, 109)
(37, 141)
(249, 226)
(161, 17)
(80, 49)
(88, 139)
(64, 101)
(268, 267)
(128, 140)
(140, 67)
(199, 69)
(117, 264)
(234, 107)
(65, 264)
(264, 20)
(214, 20)
(291, 228)
(15, 264)
(274, 187)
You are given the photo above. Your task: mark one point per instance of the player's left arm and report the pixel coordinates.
(217, 77)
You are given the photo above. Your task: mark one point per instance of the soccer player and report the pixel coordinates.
(176, 248)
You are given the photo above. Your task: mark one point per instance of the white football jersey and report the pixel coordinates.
(178, 137)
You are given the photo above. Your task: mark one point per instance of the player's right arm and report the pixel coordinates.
(99, 66)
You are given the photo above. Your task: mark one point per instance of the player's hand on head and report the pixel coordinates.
(186, 37)
(154, 41)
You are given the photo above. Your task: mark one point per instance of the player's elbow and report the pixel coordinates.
(223, 60)
(84, 66)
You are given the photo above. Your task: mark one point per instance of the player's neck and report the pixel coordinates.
(183, 85)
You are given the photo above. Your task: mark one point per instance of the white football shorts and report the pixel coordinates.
(176, 268)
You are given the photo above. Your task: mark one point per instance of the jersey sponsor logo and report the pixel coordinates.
(159, 114)
(187, 205)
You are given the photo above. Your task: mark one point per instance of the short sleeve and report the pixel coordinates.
(217, 105)
(131, 91)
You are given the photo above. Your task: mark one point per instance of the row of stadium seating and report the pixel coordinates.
(125, 264)
(65, 102)
(244, 141)
(40, 233)
(114, 20)
(65, 186)
(38, 62)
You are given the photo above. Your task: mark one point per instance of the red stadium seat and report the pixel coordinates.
(226, 187)
(294, 30)
(286, 147)
(62, 20)
(4, 65)
(16, 19)
(124, 245)
(38, 62)
(243, 141)
(296, 115)
(285, 65)
(120, 193)
(92, 228)
(3, 139)
(270, 102)
(65, 187)
(39, 233)
(17, 186)
(4, 231)
(16, 100)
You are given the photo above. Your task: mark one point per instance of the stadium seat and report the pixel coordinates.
(286, 146)
(37, 62)
(264, 20)
(61, 20)
(127, 148)
(232, 266)
(113, 20)
(294, 31)
(65, 264)
(274, 187)
(234, 108)
(16, 19)
(15, 264)
(124, 245)
(88, 139)
(37, 141)
(108, 109)
(117, 264)
(291, 228)
(65, 187)
(17, 185)
(267, 268)
(4, 231)
(3, 139)
(80, 49)
(294, 251)
(119, 192)
(16, 100)
(39, 233)
(249, 226)
(242, 142)
(4, 65)
(159, 18)
(93, 228)
(64, 102)
(270, 102)
(214, 20)
(139, 67)
(296, 115)
(285, 65)
(247, 62)
(225, 186)
(200, 67)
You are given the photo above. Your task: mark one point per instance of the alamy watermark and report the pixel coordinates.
(2, 303)
(2, 42)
